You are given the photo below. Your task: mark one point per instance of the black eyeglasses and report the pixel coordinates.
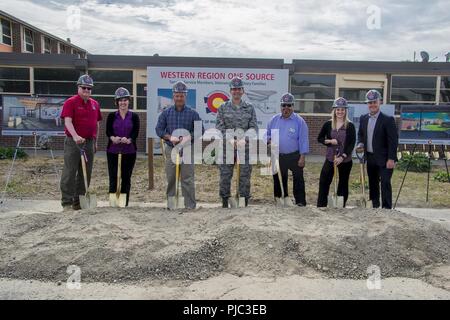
(86, 88)
(287, 105)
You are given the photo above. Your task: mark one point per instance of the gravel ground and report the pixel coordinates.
(159, 247)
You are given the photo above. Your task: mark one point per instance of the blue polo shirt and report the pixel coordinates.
(293, 133)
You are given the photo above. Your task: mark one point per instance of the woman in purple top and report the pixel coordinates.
(122, 129)
(339, 135)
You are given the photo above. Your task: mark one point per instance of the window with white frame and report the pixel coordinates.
(46, 45)
(6, 35)
(28, 40)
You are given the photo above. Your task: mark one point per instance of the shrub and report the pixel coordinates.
(441, 176)
(418, 162)
(8, 153)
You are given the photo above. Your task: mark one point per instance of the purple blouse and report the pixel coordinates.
(340, 136)
(122, 128)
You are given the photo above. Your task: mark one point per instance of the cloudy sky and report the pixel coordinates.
(289, 29)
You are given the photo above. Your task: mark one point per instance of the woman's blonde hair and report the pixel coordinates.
(334, 118)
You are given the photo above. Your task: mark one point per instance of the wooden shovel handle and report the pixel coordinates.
(177, 174)
(119, 174)
(280, 178)
(83, 165)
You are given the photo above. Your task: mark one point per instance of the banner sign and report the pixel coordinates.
(426, 124)
(209, 88)
(26, 116)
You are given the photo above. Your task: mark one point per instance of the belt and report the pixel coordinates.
(289, 154)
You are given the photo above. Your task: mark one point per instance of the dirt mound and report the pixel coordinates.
(117, 245)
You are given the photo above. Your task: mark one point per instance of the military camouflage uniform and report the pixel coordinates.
(233, 117)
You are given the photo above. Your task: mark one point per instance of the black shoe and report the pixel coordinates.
(300, 204)
(76, 206)
(225, 203)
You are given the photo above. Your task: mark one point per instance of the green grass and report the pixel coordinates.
(435, 127)
(34, 179)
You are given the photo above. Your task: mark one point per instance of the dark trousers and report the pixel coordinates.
(72, 179)
(326, 178)
(128, 161)
(290, 162)
(377, 174)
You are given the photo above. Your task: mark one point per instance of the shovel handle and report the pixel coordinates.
(335, 176)
(119, 174)
(177, 174)
(238, 173)
(83, 165)
(363, 180)
(280, 178)
(163, 151)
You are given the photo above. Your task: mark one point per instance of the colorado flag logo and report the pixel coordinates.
(214, 100)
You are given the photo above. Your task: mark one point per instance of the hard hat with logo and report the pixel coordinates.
(340, 103)
(373, 95)
(85, 80)
(122, 93)
(287, 98)
(180, 87)
(236, 83)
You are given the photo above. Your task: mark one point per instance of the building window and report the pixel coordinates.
(445, 89)
(314, 92)
(5, 32)
(46, 45)
(141, 96)
(62, 49)
(14, 80)
(28, 40)
(106, 83)
(356, 95)
(413, 89)
(55, 81)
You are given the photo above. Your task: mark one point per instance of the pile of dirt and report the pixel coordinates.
(136, 244)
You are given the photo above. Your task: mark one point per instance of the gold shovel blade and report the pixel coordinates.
(88, 201)
(288, 202)
(174, 203)
(335, 202)
(284, 202)
(120, 201)
(332, 202)
(279, 202)
(339, 202)
(237, 202)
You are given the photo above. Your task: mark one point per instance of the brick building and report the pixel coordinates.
(20, 37)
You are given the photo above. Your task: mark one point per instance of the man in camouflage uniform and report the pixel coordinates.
(235, 114)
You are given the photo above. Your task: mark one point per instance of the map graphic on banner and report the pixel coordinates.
(209, 88)
(25, 116)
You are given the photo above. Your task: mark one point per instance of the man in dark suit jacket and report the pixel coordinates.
(378, 136)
